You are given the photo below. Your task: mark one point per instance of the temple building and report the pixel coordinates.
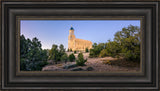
(77, 44)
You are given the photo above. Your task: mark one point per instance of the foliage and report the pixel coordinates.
(32, 57)
(80, 61)
(71, 57)
(126, 44)
(64, 58)
(56, 53)
(61, 49)
(129, 40)
(95, 51)
(104, 53)
(86, 50)
(112, 48)
(41, 65)
(75, 52)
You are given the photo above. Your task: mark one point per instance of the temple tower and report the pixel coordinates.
(71, 39)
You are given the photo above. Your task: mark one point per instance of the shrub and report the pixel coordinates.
(23, 64)
(92, 53)
(129, 55)
(96, 49)
(103, 53)
(86, 50)
(75, 51)
(64, 58)
(41, 65)
(80, 60)
(70, 50)
(71, 57)
(56, 53)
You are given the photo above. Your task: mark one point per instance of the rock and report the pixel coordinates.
(89, 69)
(69, 66)
(77, 69)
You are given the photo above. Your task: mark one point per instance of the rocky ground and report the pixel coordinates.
(92, 64)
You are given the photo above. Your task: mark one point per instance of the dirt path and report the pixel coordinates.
(96, 64)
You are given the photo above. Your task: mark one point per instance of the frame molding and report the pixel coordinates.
(147, 12)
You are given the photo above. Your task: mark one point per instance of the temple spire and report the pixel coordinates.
(71, 28)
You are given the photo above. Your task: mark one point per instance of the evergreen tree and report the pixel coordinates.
(71, 57)
(64, 58)
(80, 61)
(32, 57)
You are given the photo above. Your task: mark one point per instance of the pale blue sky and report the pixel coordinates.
(56, 31)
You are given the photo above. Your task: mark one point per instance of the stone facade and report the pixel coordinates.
(77, 44)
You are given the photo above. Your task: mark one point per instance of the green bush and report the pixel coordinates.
(86, 50)
(96, 49)
(23, 64)
(92, 53)
(71, 57)
(40, 65)
(75, 52)
(64, 58)
(56, 53)
(80, 61)
(103, 53)
(32, 57)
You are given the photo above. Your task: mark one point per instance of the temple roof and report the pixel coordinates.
(82, 40)
(71, 28)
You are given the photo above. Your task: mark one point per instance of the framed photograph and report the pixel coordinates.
(61, 50)
(80, 45)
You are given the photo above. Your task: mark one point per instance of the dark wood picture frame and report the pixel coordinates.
(147, 12)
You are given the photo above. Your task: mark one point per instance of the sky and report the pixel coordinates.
(51, 32)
